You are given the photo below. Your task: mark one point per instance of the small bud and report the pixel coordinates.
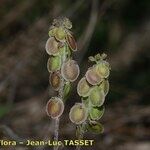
(78, 113)
(83, 88)
(55, 107)
(67, 23)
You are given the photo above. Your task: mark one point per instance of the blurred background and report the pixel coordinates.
(119, 28)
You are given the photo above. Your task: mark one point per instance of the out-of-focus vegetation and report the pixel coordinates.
(119, 28)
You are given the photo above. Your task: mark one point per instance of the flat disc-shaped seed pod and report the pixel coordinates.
(55, 80)
(71, 42)
(103, 69)
(54, 63)
(83, 88)
(55, 107)
(78, 113)
(52, 31)
(92, 76)
(96, 96)
(70, 70)
(104, 86)
(60, 34)
(96, 112)
(52, 46)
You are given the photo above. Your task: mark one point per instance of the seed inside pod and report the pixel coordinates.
(96, 113)
(70, 70)
(55, 80)
(92, 76)
(96, 96)
(52, 46)
(83, 88)
(71, 42)
(103, 69)
(55, 107)
(54, 63)
(78, 113)
(60, 34)
(104, 86)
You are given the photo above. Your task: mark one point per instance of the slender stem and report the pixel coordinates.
(80, 135)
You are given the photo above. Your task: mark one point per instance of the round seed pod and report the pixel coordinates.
(52, 46)
(55, 80)
(92, 76)
(103, 69)
(55, 107)
(52, 31)
(104, 86)
(60, 34)
(78, 113)
(71, 42)
(70, 70)
(96, 112)
(83, 88)
(54, 63)
(96, 96)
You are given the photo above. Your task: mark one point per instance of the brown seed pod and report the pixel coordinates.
(92, 76)
(55, 80)
(78, 113)
(55, 107)
(70, 70)
(83, 88)
(71, 42)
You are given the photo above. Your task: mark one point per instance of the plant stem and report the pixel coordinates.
(80, 135)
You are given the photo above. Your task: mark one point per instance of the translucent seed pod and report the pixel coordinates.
(70, 70)
(104, 86)
(54, 63)
(55, 80)
(103, 69)
(52, 46)
(78, 113)
(55, 107)
(60, 34)
(92, 76)
(96, 112)
(96, 96)
(83, 88)
(71, 42)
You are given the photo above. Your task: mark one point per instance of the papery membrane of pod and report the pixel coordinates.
(104, 86)
(96, 96)
(95, 127)
(83, 88)
(92, 76)
(55, 107)
(71, 42)
(67, 23)
(55, 80)
(103, 69)
(60, 34)
(70, 70)
(54, 63)
(67, 89)
(96, 112)
(52, 46)
(78, 113)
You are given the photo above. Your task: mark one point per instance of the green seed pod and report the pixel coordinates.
(52, 46)
(103, 69)
(70, 70)
(55, 107)
(92, 76)
(60, 34)
(54, 63)
(52, 31)
(83, 88)
(78, 113)
(71, 42)
(104, 86)
(67, 23)
(55, 80)
(96, 96)
(96, 112)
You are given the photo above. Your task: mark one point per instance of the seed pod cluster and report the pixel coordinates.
(62, 68)
(92, 89)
